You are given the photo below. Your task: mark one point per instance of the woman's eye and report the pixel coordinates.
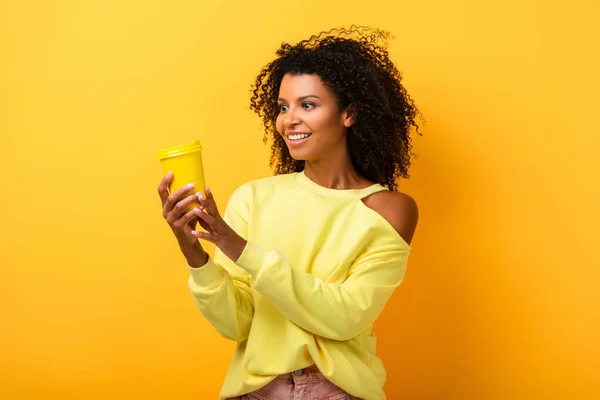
(308, 105)
(283, 108)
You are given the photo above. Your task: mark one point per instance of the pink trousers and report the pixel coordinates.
(303, 384)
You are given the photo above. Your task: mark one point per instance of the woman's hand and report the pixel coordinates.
(182, 223)
(218, 232)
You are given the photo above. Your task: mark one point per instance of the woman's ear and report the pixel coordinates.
(350, 116)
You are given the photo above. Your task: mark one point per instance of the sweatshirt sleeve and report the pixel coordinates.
(338, 311)
(221, 290)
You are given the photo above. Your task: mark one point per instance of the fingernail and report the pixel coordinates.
(208, 190)
(190, 185)
(198, 209)
(169, 174)
(200, 195)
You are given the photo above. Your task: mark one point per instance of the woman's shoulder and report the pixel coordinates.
(400, 210)
(269, 181)
(265, 186)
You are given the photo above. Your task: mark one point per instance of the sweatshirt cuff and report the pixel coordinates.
(206, 277)
(252, 259)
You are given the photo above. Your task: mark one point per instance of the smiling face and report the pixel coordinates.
(309, 119)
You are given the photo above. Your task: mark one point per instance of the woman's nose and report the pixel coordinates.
(291, 118)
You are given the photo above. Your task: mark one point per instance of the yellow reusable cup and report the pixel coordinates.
(185, 162)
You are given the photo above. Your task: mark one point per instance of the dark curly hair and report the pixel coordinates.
(354, 64)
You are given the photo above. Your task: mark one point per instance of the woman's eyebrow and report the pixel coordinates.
(301, 98)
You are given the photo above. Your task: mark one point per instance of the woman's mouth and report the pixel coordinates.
(297, 138)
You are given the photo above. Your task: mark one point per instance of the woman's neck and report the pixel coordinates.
(335, 173)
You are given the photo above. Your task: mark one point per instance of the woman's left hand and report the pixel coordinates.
(217, 230)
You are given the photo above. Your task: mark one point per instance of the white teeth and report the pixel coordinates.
(298, 136)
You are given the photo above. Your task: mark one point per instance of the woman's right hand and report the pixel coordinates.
(182, 223)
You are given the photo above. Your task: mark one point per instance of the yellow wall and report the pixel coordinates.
(501, 295)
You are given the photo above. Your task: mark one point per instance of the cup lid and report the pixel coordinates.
(179, 150)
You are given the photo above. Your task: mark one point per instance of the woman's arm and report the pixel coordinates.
(338, 311)
(221, 290)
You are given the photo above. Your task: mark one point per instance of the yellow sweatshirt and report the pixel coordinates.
(316, 273)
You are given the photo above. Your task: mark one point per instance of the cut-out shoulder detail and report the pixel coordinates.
(399, 209)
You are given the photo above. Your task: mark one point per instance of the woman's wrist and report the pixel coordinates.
(234, 247)
(195, 256)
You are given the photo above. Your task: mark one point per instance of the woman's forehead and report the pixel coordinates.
(294, 87)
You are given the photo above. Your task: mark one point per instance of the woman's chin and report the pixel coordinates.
(299, 155)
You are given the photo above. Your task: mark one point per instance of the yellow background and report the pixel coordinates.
(501, 295)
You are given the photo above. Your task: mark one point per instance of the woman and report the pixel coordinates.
(307, 259)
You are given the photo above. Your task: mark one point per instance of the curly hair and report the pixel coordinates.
(354, 64)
